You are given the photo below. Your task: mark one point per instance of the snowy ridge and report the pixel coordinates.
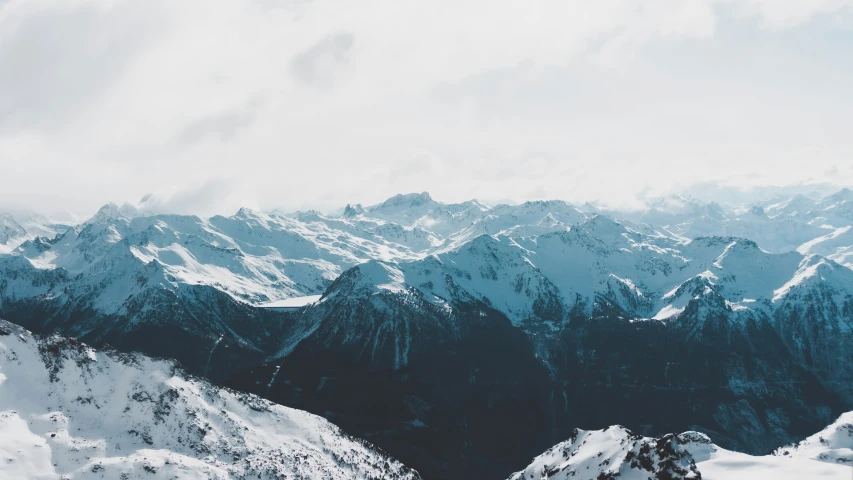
(260, 257)
(69, 411)
(616, 452)
(252, 256)
(837, 245)
(600, 260)
(22, 226)
(362, 308)
(833, 444)
(10, 229)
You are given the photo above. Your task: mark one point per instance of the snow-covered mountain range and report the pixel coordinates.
(736, 321)
(69, 411)
(257, 257)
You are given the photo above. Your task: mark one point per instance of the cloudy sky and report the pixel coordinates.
(214, 104)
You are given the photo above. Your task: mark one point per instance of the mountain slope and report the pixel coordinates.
(836, 245)
(833, 444)
(10, 230)
(20, 226)
(616, 452)
(68, 411)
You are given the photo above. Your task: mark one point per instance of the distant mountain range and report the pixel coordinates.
(464, 338)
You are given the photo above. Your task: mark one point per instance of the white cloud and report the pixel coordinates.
(778, 14)
(313, 104)
(212, 197)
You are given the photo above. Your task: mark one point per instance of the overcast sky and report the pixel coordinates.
(216, 104)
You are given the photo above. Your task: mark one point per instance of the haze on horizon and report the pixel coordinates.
(294, 104)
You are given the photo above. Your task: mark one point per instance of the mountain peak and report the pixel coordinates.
(548, 221)
(407, 200)
(599, 221)
(6, 219)
(371, 277)
(112, 211)
(843, 195)
(9, 228)
(469, 204)
(353, 210)
(758, 211)
(245, 212)
(616, 452)
(813, 270)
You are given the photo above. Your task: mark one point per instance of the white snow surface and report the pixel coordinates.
(294, 302)
(836, 245)
(70, 412)
(616, 452)
(833, 444)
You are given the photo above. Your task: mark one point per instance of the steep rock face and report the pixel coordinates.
(353, 210)
(367, 309)
(814, 316)
(736, 382)
(20, 281)
(69, 411)
(10, 229)
(457, 390)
